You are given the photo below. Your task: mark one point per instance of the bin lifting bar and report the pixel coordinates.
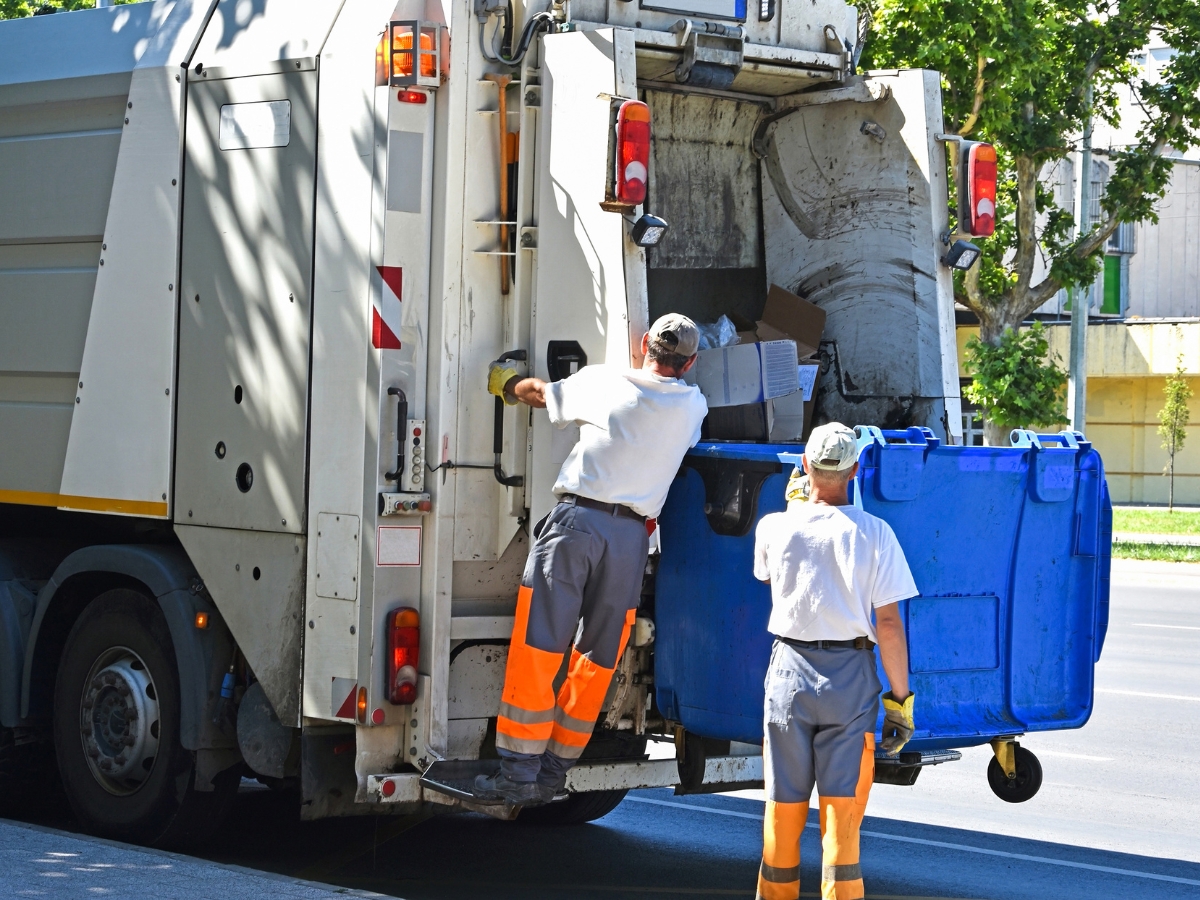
(498, 427)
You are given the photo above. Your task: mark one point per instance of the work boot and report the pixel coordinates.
(493, 788)
(550, 793)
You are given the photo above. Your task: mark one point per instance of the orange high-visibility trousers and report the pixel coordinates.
(824, 739)
(585, 567)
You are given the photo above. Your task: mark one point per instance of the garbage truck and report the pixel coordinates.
(259, 516)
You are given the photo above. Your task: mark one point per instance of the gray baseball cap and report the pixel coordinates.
(674, 333)
(832, 447)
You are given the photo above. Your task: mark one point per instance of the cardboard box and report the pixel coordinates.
(791, 317)
(791, 415)
(764, 403)
(746, 373)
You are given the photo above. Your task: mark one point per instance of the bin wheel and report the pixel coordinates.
(116, 729)
(1026, 783)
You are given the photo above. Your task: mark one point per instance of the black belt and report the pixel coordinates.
(613, 509)
(859, 643)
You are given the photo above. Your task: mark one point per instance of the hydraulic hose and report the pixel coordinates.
(535, 23)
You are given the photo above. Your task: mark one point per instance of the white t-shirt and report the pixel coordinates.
(634, 428)
(829, 566)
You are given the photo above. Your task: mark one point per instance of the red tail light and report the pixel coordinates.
(979, 178)
(403, 648)
(633, 151)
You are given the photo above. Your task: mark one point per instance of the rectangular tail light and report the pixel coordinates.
(977, 199)
(633, 152)
(403, 655)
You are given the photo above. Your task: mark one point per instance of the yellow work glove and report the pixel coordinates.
(500, 373)
(897, 723)
(797, 486)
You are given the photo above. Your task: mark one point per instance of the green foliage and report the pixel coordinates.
(1014, 73)
(1154, 521)
(1017, 383)
(16, 9)
(1173, 419)
(1156, 552)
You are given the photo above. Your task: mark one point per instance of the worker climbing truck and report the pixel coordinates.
(259, 515)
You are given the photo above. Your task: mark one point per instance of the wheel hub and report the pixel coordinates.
(119, 721)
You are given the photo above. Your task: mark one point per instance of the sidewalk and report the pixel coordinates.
(44, 862)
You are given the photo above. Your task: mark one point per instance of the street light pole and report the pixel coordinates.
(1081, 296)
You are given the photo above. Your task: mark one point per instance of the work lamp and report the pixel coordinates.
(649, 230)
(961, 255)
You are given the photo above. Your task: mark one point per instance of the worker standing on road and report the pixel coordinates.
(589, 553)
(830, 564)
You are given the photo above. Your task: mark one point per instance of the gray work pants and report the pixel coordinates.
(819, 729)
(582, 581)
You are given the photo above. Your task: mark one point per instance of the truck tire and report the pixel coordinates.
(116, 730)
(577, 809)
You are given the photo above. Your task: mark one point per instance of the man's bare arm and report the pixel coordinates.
(530, 391)
(893, 648)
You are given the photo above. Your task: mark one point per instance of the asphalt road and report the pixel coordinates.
(1116, 816)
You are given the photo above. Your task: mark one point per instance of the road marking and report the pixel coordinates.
(1155, 625)
(1065, 755)
(1143, 694)
(965, 848)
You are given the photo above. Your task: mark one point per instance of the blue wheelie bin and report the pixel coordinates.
(1010, 550)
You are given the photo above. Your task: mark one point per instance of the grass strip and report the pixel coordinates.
(1157, 552)
(1156, 521)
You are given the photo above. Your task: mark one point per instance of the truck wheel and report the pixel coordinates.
(116, 729)
(580, 808)
(1021, 788)
(575, 810)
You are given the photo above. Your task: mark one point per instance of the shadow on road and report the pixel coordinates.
(659, 845)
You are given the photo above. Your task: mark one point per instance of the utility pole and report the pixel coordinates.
(1080, 296)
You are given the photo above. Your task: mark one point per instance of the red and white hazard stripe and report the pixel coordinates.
(385, 317)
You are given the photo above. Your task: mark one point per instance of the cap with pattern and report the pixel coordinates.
(674, 333)
(832, 447)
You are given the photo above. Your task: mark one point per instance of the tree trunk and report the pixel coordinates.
(1171, 483)
(995, 435)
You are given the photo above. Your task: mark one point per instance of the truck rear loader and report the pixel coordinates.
(258, 514)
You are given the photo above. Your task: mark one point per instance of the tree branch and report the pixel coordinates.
(1090, 242)
(977, 105)
(1027, 243)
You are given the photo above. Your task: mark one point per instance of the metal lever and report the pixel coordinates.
(498, 429)
(401, 433)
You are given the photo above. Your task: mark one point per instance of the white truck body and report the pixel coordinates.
(216, 227)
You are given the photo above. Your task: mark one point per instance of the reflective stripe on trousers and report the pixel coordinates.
(821, 707)
(841, 820)
(584, 564)
(532, 719)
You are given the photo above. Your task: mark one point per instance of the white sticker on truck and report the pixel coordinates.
(246, 126)
(398, 545)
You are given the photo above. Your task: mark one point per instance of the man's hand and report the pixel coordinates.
(897, 722)
(500, 373)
